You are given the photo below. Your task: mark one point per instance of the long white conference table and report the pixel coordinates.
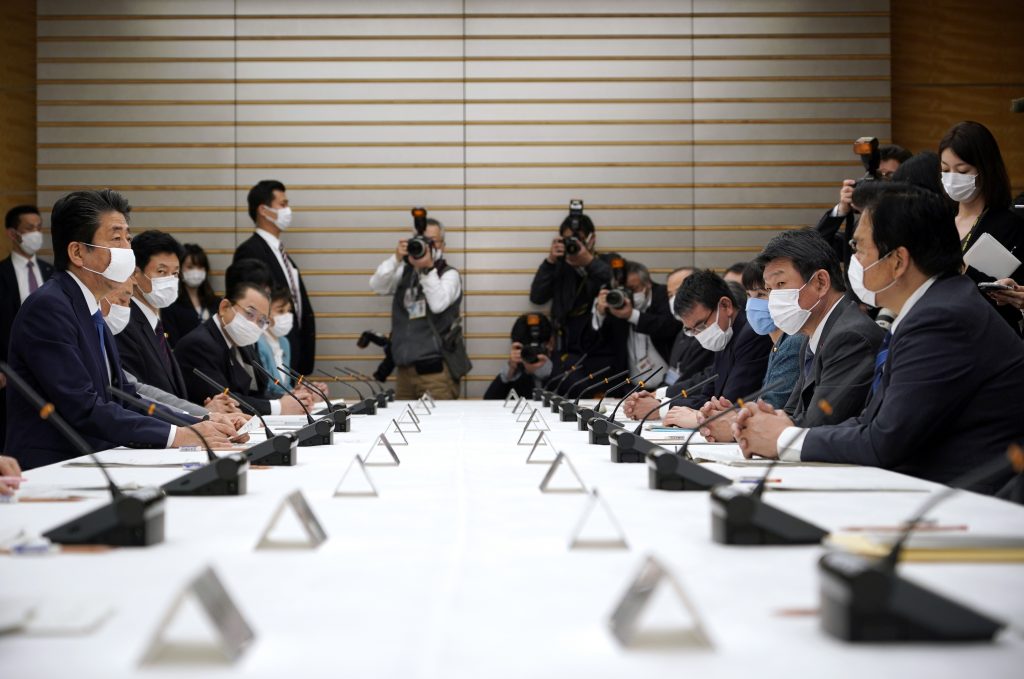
(461, 567)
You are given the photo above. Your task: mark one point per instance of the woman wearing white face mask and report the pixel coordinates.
(973, 174)
(196, 300)
(273, 346)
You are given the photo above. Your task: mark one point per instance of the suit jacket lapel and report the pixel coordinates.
(92, 339)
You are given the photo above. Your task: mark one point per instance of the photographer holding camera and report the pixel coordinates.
(529, 359)
(634, 320)
(570, 278)
(426, 293)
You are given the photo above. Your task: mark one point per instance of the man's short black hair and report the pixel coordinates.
(809, 252)
(894, 152)
(153, 242)
(916, 219)
(703, 286)
(923, 170)
(13, 217)
(262, 194)
(738, 267)
(237, 291)
(249, 270)
(76, 218)
(521, 328)
(584, 223)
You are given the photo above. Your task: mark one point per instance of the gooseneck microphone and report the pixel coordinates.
(342, 374)
(277, 450)
(600, 427)
(556, 382)
(337, 415)
(222, 476)
(640, 384)
(629, 380)
(585, 415)
(134, 519)
(316, 432)
(604, 381)
(567, 407)
(380, 396)
(740, 402)
(867, 600)
(366, 405)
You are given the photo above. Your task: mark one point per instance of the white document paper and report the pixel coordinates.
(988, 256)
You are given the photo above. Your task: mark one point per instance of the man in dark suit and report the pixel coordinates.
(21, 274)
(224, 349)
(710, 314)
(837, 361)
(936, 410)
(145, 351)
(642, 330)
(688, 358)
(62, 347)
(270, 212)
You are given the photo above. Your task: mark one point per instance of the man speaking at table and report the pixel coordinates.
(944, 397)
(62, 347)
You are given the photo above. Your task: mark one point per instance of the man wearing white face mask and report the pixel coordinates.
(642, 330)
(709, 313)
(145, 351)
(271, 212)
(944, 395)
(21, 274)
(807, 296)
(61, 346)
(224, 349)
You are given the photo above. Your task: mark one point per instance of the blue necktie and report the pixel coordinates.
(97, 320)
(880, 359)
(808, 364)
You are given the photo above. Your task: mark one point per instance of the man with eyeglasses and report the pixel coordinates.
(711, 315)
(224, 348)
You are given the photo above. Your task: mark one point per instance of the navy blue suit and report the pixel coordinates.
(949, 398)
(55, 347)
(740, 367)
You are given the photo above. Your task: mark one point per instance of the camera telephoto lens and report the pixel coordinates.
(572, 245)
(417, 247)
(616, 298)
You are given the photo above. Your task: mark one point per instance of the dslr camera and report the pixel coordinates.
(533, 348)
(574, 243)
(867, 149)
(618, 293)
(419, 245)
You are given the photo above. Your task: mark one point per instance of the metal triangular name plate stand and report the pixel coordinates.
(398, 430)
(422, 401)
(624, 622)
(527, 413)
(360, 485)
(233, 633)
(296, 502)
(520, 407)
(578, 541)
(381, 441)
(413, 419)
(427, 395)
(560, 459)
(542, 441)
(513, 397)
(534, 423)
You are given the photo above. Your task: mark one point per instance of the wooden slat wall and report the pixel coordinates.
(693, 130)
(18, 114)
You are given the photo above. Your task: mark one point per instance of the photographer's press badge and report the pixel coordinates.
(415, 303)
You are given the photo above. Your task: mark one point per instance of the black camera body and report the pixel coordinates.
(616, 298)
(370, 336)
(574, 243)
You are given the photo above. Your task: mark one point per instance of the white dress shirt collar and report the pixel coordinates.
(223, 334)
(812, 343)
(21, 260)
(148, 313)
(911, 301)
(273, 241)
(90, 299)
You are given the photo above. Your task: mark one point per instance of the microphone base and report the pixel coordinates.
(341, 422)
(556, 403)
(538, 393)
(277, 451)
(864, 601)
(135, 519)
(367, 406)
(390, 394)
(319, 433)
(672, 471)
(382, 400)
(568, 410)
(583, 418)
(630, 448)
(227, 475)
(599, 428)
(546, 398)
(738, 518)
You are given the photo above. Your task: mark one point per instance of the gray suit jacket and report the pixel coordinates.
(842, 370)
(170, 400)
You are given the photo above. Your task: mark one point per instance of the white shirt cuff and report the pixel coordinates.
(275, 406)
(790, 443)
(659, 393)
(835, 211)
(170, 437)
(634, 317)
